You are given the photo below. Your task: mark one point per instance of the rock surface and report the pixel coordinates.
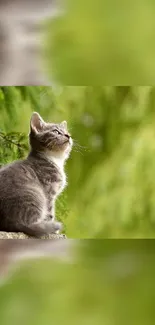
(13, 235)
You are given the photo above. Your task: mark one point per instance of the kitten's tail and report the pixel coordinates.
(40, 229)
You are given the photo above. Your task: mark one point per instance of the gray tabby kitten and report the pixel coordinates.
(29, 188)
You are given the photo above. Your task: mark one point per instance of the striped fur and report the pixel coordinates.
(29, 188)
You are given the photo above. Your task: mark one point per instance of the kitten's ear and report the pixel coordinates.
(64, 125)
(36, 122)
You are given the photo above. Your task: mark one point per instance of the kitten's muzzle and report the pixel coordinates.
(68, 139)
(67, 136)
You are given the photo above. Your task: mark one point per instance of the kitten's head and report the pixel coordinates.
(50, 138)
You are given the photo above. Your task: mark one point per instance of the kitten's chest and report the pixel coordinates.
(54, 184)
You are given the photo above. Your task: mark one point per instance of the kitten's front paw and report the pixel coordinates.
(53, 227)
(57, 227)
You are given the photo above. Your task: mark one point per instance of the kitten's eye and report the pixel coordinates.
(56, 131)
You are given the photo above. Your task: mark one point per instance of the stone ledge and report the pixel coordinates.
(20, 235)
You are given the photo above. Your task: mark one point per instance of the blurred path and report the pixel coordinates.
(21, 40)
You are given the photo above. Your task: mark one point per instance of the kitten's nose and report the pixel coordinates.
(67, 135)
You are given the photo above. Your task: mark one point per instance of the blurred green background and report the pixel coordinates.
(111, 192)
(102, 42)
(112, 284)
(111, 171)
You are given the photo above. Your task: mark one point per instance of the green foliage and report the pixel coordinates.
(12, 146)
